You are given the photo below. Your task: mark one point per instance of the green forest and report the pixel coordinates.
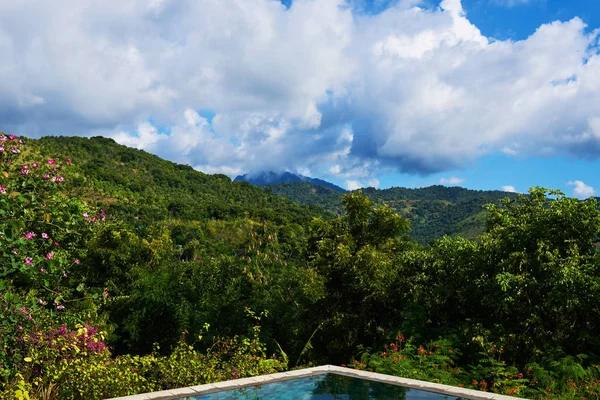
(433, 211)
(123, 273)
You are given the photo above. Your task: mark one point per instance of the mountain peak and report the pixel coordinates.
(272, 178)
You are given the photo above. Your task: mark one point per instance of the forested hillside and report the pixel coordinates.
(433, 211)
(134, 184)
(123, 273)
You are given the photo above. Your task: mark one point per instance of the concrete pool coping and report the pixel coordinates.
(199, 390)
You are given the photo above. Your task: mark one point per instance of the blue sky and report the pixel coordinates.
(514, 20)
(485, 94)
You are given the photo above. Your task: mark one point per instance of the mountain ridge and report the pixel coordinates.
(132, 182)
(271, 178)
(433, 211)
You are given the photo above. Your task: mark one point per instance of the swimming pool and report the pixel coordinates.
(320, 383)
(325, 387)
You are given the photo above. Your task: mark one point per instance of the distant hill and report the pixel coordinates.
(433, 211)
(272, 178)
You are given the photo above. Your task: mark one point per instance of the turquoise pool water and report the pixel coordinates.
(325, 387)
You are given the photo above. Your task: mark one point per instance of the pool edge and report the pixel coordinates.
(306, 372)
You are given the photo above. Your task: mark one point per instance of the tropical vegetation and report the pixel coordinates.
(122, 273)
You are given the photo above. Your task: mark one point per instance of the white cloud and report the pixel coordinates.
(335, 170)
(303, 171)
(510, 189)
(452, 181)
(356, 184)
(581, 190)
(316, 86)
(352, 185)
(373, 183)
(509, 151)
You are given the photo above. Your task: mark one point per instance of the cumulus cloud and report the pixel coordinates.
(373, 183)
(316, 85)
(452, 181)
(352, 185)
(581, 190)
(510, 189)
(509, 151)
(357, 184)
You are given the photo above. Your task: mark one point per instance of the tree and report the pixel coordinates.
(543, 271)
(357, 256)
(529, 283)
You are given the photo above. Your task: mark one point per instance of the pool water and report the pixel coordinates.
(325, 387)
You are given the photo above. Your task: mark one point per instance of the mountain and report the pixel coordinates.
(272, 178)
(144, 188)
(432, 211)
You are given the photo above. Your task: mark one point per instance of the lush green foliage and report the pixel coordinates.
(433, 211)
(115, 263)
(141, 188)
(52, 335)
(437, 362)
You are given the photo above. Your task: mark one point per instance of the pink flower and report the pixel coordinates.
(60, 307)
(2, 190)
(42, 302)
(2, 138)
(12, 137)
(77, 261)
(20, 327)
(106, 294)
(50, 256)
(56, 244)
(60, 179)
(29, 235)
(51, 161)
(14, 150)
(24, 171)
(1, 149)
(69, 160)
(45, 235)
(28, 260)
(20, 141)
(35, 165)
(46, 176)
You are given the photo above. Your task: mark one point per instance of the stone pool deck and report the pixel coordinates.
(191, 391)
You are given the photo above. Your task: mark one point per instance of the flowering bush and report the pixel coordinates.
(77, 364)
(565, 378)
(434, 362)
(41, 234)
(52, 337)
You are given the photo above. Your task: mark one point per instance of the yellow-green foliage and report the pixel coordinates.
(62, 368)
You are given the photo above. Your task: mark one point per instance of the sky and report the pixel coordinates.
(484, 94)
